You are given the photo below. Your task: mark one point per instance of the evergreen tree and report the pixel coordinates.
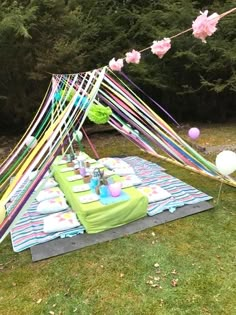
(40, 37)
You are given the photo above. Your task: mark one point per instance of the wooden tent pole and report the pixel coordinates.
(217, 178)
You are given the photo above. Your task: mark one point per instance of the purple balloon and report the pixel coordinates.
(194, 133)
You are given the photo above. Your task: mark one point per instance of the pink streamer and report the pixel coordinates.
(90, 143)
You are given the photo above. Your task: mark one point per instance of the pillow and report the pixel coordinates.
(113, 163)
(154, 193)
(108, 173)
(49, 193)
(134, 179)
(130, 180)
(60, 222)
(122, 171)
(52, 205)
(49, 183)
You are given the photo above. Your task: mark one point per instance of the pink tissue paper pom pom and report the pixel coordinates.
(116, 65)
(205, 25)
(161, 47)
(133, 57)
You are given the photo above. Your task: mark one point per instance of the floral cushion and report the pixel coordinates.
(154, 193)
(52, 205)
(113, 163)
(60, 222)
(49, 193)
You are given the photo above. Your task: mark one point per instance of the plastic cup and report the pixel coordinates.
(104, 192)
(93, 182)
(115, 189)
(82, 171)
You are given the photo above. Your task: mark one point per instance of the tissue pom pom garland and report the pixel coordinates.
(202, 27)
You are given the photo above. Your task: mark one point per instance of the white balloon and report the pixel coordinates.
(78, 135)
(226, 162)
(31, 142)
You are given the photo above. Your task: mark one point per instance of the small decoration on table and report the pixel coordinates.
(97, 173)
(98, 180)
(103, 179)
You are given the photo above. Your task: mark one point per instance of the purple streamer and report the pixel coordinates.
(151, 99)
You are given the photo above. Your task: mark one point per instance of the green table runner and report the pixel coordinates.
(95, 216)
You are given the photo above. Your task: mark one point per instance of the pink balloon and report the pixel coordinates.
(194, 133)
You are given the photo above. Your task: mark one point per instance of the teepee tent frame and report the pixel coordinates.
(69, 100)
(64, 109)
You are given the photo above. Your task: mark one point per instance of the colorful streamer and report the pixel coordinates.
(63, 111)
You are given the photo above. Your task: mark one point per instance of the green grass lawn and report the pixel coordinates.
(183, 267)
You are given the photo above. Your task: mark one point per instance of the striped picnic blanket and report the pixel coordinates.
(29, 230)
(181, 193)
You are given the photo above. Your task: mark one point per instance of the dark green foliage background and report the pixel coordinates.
(194, 81)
